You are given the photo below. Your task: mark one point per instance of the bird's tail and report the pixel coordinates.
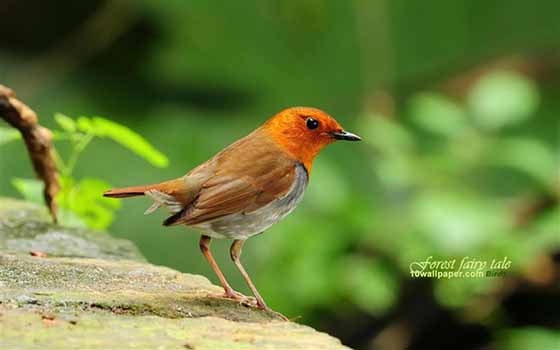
(170, 194)
(128, 191)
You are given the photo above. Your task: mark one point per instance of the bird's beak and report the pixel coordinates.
(345, 135)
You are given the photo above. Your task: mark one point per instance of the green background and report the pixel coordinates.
(457, 103)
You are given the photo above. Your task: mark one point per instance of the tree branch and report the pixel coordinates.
(38, 141)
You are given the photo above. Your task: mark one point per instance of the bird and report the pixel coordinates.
(247, 187)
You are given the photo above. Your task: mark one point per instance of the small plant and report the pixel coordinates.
(80, 200)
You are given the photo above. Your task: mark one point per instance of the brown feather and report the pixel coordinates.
(127, 191)
(177, 188)
(243, 177)
(247, 175)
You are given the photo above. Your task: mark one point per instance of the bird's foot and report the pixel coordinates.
(248, 301)
(275, 313)
(231, 294)
(262, 306)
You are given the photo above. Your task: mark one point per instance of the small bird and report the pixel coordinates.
(248, 186)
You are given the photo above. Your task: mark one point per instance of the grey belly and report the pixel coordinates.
(245, 225)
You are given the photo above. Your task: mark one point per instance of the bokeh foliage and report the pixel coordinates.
(457, 103)
(79, 199)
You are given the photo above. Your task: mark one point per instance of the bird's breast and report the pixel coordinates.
(244, 225)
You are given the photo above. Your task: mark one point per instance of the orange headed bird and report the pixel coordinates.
(247, 187)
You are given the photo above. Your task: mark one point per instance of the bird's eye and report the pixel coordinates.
(311, 123)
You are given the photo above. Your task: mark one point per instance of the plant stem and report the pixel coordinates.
(59, 162)
(78, 149)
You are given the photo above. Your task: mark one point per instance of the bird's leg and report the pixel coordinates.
(204, 244)
(235, 253)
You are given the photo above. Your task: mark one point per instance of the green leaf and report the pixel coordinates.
(30, 189)
(68, 218)
(527, 155)
(8, 135)
(85, 125)
(126, 137)
(66, 123)
(503, 98)
(438, 114)
(84, 199)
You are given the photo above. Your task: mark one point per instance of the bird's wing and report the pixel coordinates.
(244, 177)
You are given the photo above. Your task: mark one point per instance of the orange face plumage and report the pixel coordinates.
(303, 132)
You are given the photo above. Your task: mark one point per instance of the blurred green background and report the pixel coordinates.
(457, 103)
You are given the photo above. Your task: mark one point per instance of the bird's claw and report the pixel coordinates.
(231, 294)
(248, 301)
(275, 313)
(234, 295)
(262, 306)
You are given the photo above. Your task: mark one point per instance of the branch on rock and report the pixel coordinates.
(38, 140)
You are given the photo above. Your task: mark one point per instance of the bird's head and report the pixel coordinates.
(303, 132)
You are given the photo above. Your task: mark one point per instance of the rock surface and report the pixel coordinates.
(26, 227)
(100, 294)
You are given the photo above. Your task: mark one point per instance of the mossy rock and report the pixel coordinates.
(27, 227)
(63, 301)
